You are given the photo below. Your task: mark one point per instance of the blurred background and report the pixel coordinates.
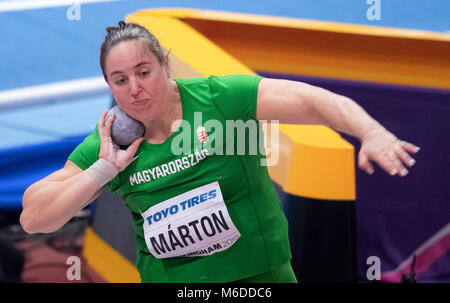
(52, 94)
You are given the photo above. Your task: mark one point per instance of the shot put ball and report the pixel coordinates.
(124, 130)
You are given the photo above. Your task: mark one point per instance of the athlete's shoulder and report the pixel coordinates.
(191, 81)
(86, 153)
(235, 82)
(215, 79)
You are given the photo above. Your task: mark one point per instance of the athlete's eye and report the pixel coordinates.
(120, 81)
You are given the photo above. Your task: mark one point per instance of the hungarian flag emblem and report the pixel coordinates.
(201, 133)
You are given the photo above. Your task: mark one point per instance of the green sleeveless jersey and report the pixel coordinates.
(204, 207)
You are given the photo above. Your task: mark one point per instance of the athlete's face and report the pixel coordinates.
(138, 82)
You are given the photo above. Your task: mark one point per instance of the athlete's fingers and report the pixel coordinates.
(404, 156)
(409, 147)
(384, 160)
(132, 149)
(107, 128)
(364, 163)
(101, 123)
(398, 165)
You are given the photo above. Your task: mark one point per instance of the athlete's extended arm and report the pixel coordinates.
(293, 102)
(51, 202)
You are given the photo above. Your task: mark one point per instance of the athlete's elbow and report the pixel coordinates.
(31, 225)
(26, 222)
(33, 221)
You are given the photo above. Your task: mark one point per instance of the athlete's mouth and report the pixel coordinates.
(141, 102)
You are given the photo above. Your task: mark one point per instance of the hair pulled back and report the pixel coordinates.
(128, 32)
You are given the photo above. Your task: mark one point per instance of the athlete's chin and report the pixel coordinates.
(145, 114)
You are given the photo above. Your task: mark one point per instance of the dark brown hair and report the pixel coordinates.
(128, 32)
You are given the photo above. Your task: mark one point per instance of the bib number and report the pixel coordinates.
(195, 223)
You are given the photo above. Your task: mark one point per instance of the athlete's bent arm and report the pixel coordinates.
(292, 102)
(51, 202)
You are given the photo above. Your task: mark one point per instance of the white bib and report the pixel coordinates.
(195, 223)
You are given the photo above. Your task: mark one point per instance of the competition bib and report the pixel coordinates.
(195, 223)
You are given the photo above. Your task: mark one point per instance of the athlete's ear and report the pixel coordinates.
(166, 63)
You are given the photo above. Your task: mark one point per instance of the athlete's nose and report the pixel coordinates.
(135, 88)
